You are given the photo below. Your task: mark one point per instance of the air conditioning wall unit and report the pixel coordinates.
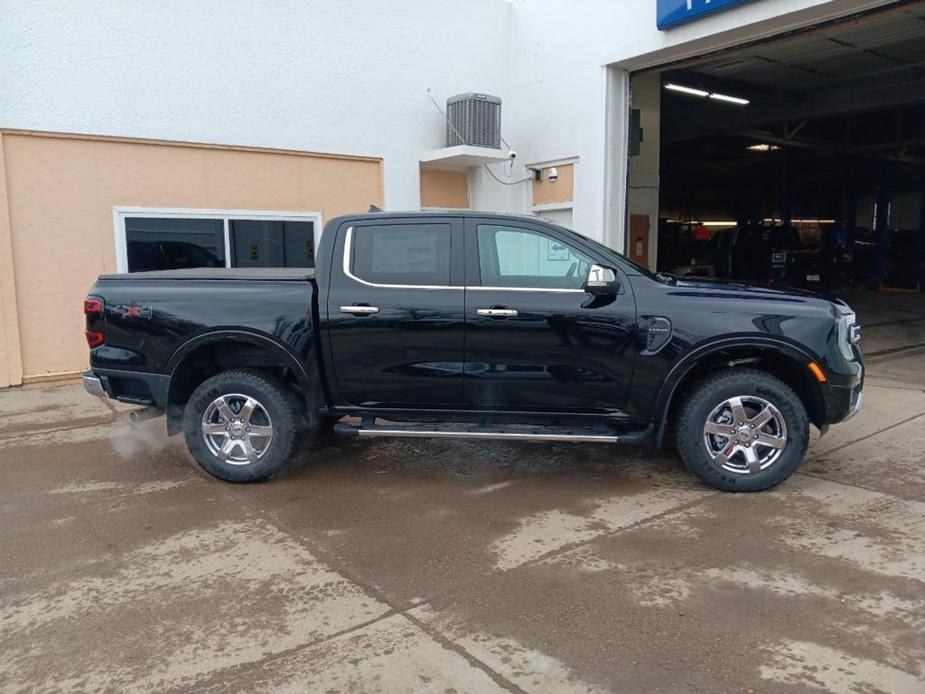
(473, 119)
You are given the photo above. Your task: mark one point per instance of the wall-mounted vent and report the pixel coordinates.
(473, 119)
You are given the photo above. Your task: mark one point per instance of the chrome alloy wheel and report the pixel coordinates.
(237, 429)
(745, 434)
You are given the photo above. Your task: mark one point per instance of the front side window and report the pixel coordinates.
(514, 257)
(416, 254)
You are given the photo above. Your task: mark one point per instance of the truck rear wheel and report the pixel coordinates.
(241, 425)
(742, 430)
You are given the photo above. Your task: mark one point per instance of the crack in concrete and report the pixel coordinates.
(901, 321)
(871, 435)
(684, 506)
(853, 485)
(334, 562)
(336, 565)
(100, 421)
(892, 385)
(878, 356)
(496, 676)
(22, 431)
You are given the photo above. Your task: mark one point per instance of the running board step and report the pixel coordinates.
(510, 433)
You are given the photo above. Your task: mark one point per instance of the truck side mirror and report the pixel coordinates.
(601, 281)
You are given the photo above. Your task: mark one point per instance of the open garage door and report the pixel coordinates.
(799, 160)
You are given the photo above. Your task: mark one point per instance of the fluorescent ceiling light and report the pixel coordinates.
(693, 91)
(730, 99)
(687, 90)
(773, 220)
(706, 224)
(763, 147)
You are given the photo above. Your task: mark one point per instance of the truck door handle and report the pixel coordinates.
(360, 310)
(498, 312)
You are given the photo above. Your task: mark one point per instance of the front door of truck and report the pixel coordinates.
(395, 313)
(535, 341)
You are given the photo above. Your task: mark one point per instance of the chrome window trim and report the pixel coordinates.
(348, 248)
(527, 289)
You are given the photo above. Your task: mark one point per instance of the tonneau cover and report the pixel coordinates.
(290, 274)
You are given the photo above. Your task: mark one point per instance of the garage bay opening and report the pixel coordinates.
(798, 161)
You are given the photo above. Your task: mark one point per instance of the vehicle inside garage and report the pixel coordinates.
(798, 160)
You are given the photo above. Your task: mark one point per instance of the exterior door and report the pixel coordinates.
(535, 341)
(395, 313)
(639, 239)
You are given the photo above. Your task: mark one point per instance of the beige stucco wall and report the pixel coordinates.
(10, 361)
(444, 189)
(61, 194)
(561, 190)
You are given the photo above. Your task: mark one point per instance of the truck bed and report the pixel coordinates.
(289, 274)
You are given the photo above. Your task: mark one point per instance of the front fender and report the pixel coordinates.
(800, 356)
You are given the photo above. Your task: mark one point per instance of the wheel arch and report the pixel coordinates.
(186, 368)
(785, 360)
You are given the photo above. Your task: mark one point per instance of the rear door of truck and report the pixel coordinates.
(395, 313)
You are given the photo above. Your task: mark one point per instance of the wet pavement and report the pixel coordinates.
(411, 565)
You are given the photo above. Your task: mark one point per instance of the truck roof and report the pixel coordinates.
(221, 273)
(434, 214)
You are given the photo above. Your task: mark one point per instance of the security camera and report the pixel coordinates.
(512, 154)
(553, 174)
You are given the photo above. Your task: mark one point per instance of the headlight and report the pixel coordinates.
(849, 333)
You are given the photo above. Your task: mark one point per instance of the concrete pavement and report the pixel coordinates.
(402, 566)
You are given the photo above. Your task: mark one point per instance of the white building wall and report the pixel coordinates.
(351, 77)
(347, 77)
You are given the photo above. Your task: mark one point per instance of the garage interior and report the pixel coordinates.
(799, 160)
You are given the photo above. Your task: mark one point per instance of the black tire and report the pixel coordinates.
(710, 394)
(278, 404)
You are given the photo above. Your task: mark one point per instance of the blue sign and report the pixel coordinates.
(673, 12)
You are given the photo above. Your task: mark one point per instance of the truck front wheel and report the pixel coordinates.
(742, 430)
(241, 425)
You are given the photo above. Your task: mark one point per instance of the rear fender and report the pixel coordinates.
(308, 382)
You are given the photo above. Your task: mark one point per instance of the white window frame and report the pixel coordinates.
(120, 213)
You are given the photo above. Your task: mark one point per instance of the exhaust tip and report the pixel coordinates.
(144, 414)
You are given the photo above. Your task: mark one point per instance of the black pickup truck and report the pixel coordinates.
(470, 325)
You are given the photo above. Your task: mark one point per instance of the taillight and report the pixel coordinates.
(93, 309)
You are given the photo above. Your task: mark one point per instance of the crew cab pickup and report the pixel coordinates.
(471, 325)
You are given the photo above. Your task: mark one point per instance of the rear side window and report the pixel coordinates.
(416, 254)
